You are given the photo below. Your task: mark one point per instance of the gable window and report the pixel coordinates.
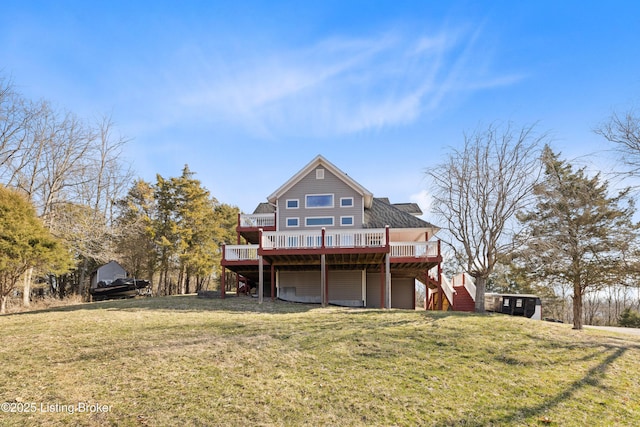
(319, 221)
(293, 222)
(319, 200)
(346, 202)
(319, 173)
(346, 220)
(292, 203)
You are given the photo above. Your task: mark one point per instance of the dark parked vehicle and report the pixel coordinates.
(119, 288)
(514, 304)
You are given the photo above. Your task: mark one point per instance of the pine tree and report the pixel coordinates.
(577, 234)
(24, 243)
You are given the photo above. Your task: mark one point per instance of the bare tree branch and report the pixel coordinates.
(478, 191)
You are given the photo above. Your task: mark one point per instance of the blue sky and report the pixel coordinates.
(247, 93)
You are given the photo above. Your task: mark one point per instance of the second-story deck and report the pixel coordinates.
(249, 225)
(360, 246)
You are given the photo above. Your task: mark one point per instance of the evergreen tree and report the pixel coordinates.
(629, 318)
(174, 228)
(196, 229)
(25, 243)
(135, 231)
(577, 234)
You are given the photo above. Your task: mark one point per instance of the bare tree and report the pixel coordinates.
(13, 124)
(108, 180)
(478, 190)
(70, 169)
(623, 130)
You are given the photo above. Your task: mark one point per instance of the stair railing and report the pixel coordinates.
(470, 285)
(447, 288)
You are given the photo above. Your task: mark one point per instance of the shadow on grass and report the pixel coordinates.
(232, 303)
(592, 378)
(184, 303)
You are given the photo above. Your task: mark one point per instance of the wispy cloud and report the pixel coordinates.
(337, 86)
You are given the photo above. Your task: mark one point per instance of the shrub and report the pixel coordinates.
(629, 319)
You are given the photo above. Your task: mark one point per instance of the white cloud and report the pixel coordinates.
(423, 199)
(337, 86)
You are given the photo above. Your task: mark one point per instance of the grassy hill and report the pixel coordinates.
(188, 361)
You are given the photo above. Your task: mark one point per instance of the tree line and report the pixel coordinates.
(73, 174)
(521, 219)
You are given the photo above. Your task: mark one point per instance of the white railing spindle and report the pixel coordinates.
(258, 220)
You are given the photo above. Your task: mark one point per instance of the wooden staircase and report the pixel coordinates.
(455, 295)
(462, 301)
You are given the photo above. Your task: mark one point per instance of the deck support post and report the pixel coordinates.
(387, 278)
(440, 291)
(273, 282)
(260, 279)
(383, 275)
(223, 285)
(326, 282)
(323, 280)
(413, 295)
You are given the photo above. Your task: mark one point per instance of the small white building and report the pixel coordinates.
(107, 274)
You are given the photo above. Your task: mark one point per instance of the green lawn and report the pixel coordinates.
(186, 361)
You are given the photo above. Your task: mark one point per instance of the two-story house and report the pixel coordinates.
(324, 238)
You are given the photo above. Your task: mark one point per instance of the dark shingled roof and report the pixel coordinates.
(382, 214)
(411, 208)
(264, 208)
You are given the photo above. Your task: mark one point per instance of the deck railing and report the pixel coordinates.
(313, 239)
(369, 238)
(332, 239)
(414, 249)
(447, 288)
(240, 252)
(258, 220)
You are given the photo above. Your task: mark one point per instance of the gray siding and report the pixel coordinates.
(331, 184)
(345, 287)
(299, 286)
(401, 291)
(373, 290)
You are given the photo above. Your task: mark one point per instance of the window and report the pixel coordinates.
(519, 303)
(319, 200)
(293, 222)
(506, 302)
(346, 220)
(346, 202)
(292, 204)
(318, 221)
(319, 173)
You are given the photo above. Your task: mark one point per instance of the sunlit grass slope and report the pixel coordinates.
(187, 361)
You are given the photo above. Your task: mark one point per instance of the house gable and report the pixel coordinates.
(320, 195)
(319, 162)
(320, 199)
